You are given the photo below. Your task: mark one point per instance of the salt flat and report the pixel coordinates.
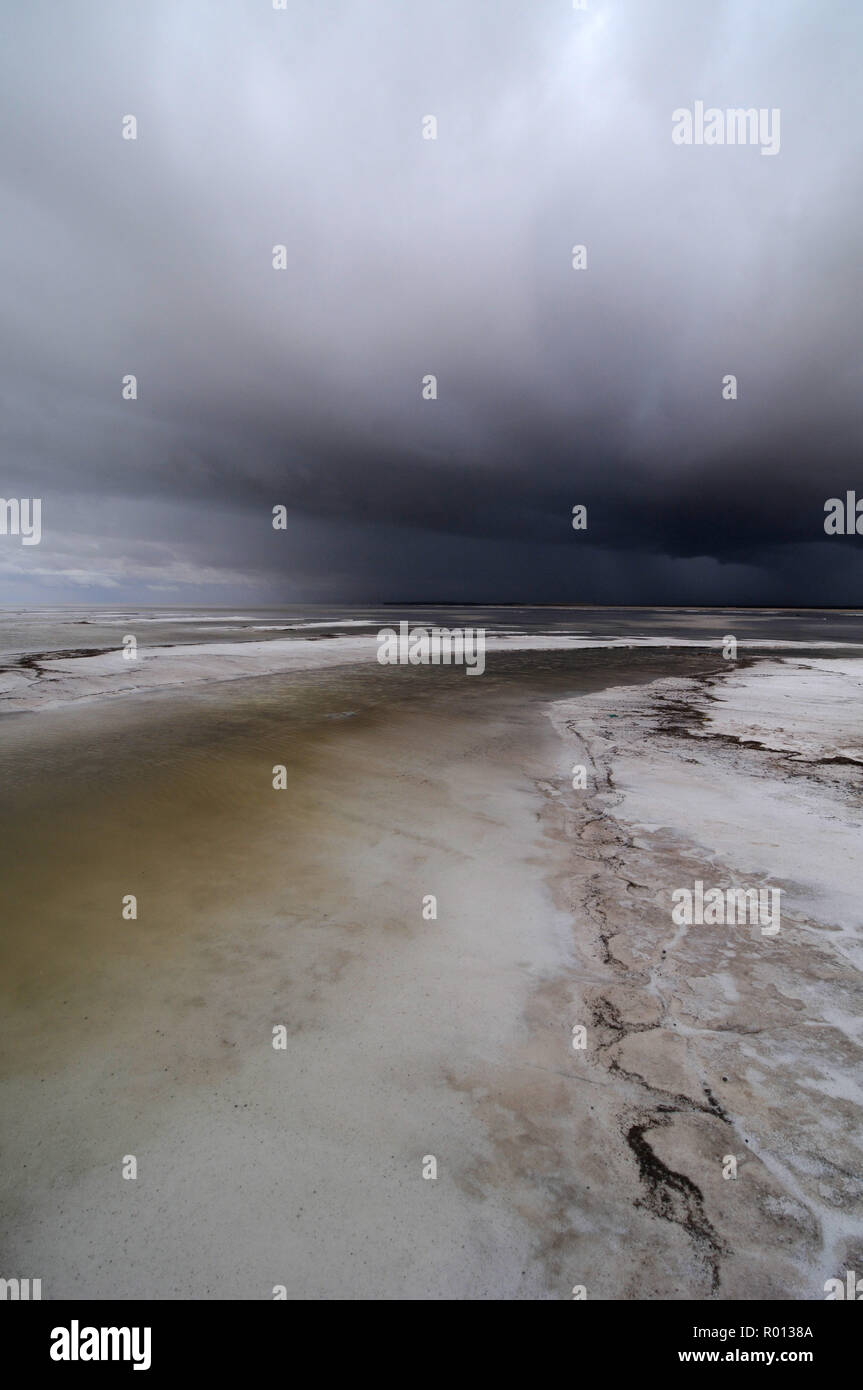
(558, 1167)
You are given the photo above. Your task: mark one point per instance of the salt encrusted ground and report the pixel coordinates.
(714, 1041)
(600, 1167)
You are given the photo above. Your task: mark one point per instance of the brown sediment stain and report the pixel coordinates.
(674, 1197)
(671, 1195)
(34, 661)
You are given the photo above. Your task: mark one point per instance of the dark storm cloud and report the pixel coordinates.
(405, 257)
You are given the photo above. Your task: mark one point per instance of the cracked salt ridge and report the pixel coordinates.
(812, 838)
(45, 680)
(642, 767)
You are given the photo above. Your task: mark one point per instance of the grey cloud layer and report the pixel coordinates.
(452, 256)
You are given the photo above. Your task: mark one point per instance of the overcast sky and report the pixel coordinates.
(409, 256)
